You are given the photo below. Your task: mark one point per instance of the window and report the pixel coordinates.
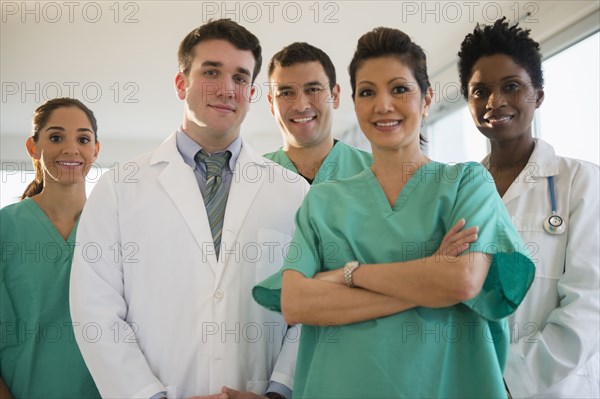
(568, 119)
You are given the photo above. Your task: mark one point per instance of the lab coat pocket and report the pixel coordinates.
(172, 392)
(547, 251)
(258, 387)
(273, 245)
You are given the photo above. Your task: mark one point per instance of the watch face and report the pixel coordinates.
(555, 221)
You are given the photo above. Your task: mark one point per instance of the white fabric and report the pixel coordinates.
(555, 331)
(145, 256)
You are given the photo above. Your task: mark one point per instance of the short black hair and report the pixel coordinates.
(222, 29)
(500, 38)
(301, 52)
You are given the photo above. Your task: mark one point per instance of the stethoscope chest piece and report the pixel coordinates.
(554, 224)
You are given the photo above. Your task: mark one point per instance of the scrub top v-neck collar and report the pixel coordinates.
(410, 186)
(43, 218)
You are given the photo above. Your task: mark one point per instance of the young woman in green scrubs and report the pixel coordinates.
(38, 353)
(384, 315)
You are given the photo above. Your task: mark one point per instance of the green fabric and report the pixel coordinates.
(342, 162)
(39, 357)
(458, 351)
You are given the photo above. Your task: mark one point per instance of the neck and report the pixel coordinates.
(308, 160)
(394, 168)
(209, 141)
(511, 155)
(61, 203)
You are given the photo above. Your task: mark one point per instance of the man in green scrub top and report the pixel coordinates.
(303, 94)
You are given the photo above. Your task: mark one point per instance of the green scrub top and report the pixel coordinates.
(458, 351)
(39, 357)
(342, 162)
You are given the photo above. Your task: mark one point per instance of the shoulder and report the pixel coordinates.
(14, 210)
(15, 216)
(338, 189)
(578, 169)
(275, 155)
(459, 173)
(354, 152)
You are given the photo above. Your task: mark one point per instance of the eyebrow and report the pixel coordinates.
(388, 82)
(503, 78)
(218, 64)
(62, 129)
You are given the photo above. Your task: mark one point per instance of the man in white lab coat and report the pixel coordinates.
(160, 307)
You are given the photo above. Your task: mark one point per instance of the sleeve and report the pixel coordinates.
(303, 255)
(511, 271)
(570, 337)
(98, 306)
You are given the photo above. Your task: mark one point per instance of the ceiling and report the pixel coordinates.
(121, 57)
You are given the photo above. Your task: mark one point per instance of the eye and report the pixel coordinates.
(210, 73)
(366, 93)
(512, 86)
(313, 89)
(240, 79)
(85, 140)
(400, 90)
(479, 92)
(55, 138)
(286, 93)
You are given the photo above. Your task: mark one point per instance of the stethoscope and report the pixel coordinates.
(553, 224)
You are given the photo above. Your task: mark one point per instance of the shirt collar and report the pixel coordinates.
(188, 149)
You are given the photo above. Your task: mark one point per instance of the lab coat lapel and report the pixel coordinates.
(541, 164)
(179, 182)
(248, 177)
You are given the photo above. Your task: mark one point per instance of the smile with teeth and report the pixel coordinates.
(304, 120)
(387, 124)
(498, 118)
(65, 163)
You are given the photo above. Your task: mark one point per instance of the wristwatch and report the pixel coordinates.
(349, 268)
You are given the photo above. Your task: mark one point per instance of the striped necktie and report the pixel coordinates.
(215, 195)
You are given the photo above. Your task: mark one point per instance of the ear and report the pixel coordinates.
(97, 150)
(180, 85)
(270, 98)
(31, 146)
(335, 94)
(539, 98)
(252, 92)
(427, 100)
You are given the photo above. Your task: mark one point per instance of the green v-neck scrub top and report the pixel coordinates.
(39, 357)
(453, 352)
(343, 161)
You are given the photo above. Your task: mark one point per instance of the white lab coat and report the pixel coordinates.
(555, 330)
(145, 257)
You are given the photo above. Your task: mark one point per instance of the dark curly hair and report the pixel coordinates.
(500, 38)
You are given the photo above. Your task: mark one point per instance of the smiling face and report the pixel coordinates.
(66, 147)
(303, 103)
(217, 92)
(502, 99)
(389, 104)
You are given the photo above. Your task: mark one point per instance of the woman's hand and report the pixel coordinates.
(456, 240)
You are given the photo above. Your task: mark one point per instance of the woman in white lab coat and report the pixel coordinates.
(554, 344)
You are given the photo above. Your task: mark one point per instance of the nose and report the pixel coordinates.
(496, 99)
(383, 103)
(71, 147)
(301, 102)
(226, 88)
